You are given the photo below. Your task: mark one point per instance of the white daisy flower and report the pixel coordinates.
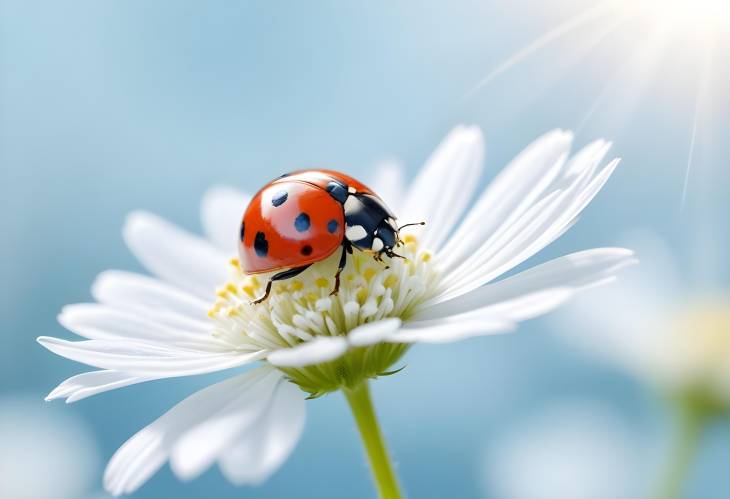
(667, 335)
(195, 315)
(675, 340)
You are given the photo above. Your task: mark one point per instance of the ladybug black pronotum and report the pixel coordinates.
(303, 217)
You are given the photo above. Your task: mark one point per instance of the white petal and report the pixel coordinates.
(586, 159)
(100, 322)
(445, 185)
(264, 448)
(91, 383)
(446, 330)
(645, 295)
(373, 332)
(176, 256)
(483, 261)
(510, 194)
(574, 271)
(495, 318)
(199, 447)
(537, 228)
(547, 218)
(544, 234)
(388, 184)
(221, 212)
(149, 297)
(319, 349)
(521, 307)
(143, 454)
(146, 359)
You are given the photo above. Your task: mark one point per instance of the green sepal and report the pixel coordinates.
(391, 373)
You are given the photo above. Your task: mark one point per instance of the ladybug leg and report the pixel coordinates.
(346, 248)
(378, 257)
(286, 274)
(391, 254)
(266, 294)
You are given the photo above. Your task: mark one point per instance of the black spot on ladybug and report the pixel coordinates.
(243, 229)
(279, 198)
(331, 226)
(337, 190)
(261, 245)
(302, 223)
(306, 250)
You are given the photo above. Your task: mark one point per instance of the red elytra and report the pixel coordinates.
(323, 177)
(305, 216)
(285, 243)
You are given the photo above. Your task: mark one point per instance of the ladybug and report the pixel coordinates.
(304, 216)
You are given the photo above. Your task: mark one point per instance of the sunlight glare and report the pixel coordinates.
(696, 18)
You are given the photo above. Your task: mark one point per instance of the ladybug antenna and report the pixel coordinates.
(410, 224)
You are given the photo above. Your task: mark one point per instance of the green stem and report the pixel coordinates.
(691, 420)
(362, 408)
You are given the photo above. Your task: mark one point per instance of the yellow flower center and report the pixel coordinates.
(302, 308)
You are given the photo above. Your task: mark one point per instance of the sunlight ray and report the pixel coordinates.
(638, 67)
(690, 154)
(594, 107)
(633, 79)
(540, 42)
(702, 80)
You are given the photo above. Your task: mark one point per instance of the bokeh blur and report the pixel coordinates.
(106, 107)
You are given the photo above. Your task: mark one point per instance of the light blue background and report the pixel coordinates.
(107, 107)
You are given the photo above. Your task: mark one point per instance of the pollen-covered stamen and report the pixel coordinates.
(302, 308)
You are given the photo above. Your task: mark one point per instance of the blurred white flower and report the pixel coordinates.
(195, 316)
(673, 339)
(653, 326)
(576, 450)
(44, 453)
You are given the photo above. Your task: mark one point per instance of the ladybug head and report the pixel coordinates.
(385, 237)
(390, 235)
(370, 225)
(381, 239)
